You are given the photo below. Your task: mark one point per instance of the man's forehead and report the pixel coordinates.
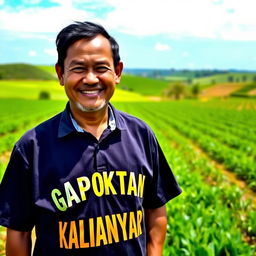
(97, 41)
(98, 46)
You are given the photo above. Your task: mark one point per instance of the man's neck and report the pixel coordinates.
(92, 122)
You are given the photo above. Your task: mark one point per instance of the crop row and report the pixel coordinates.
(224, 137)
(16, 113)
(239, 123)
(234, 160)
(180, 116)
(233, 103)
(8, 139)
(247, 135)
(208, 218)
(241, 118)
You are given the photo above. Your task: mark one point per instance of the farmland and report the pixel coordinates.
(209, 143)
(21, 89)
(206, 143)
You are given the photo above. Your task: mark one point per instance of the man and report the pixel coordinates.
(92, 180)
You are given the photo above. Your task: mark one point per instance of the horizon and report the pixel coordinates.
(220, 35)
(151, 69)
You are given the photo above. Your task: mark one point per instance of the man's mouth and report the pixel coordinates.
(90, 92)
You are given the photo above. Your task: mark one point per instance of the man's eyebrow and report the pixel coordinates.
(102, 62)
(82, 63)
(76, 62)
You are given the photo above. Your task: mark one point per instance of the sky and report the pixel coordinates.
(161, 34)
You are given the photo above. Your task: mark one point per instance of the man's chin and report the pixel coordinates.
(90, 108)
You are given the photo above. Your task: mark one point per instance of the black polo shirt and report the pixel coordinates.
(84, 196)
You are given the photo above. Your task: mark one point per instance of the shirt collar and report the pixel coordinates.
(68, 124)
(111, 121)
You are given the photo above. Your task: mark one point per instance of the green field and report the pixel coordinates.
(245, 91)
(210, 145)
(44, 78)
(49, 69)
(214, 215)
(205, 77)
(226, 78)
(143, 85)
(24, 71)
(21, 89)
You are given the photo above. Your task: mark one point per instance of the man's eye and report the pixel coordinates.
(102, 69)
(77, 69)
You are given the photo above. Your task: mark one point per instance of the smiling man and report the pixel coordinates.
(89, 77)
(92, 180)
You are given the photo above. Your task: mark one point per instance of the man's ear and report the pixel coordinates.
(59, 72)
(118, 71)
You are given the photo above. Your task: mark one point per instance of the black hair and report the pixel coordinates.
(79, 30)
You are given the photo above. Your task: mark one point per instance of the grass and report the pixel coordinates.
(176, 78)
(211, 216)
(23, 71)
(143, 85)
(31, 89)
(224, 78)
(49, 69)
(245, 91)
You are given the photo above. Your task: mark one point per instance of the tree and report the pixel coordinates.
(195, 90)
(230, 79)
(189, 80)
(44, 95)
(244, 78)
(175, 90)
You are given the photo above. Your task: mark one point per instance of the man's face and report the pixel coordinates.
(89, 75)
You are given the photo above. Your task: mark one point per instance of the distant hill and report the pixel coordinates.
(151, 82)
(221, 90)
(247, 91)
(30, 89)
(243, 77)
(133, 83)
(49, 69)
(23, 71)
(143, 85)
(169, 74)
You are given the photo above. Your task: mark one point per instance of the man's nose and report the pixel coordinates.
(90, 78)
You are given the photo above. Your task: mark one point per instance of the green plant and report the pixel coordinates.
(175, 90)
(44, 95)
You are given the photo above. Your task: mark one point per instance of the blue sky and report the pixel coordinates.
(191, 34)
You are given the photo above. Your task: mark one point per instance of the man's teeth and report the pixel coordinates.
(90, 92)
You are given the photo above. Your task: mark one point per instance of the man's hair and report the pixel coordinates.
(80, 30)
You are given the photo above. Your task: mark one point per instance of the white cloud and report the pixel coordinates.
(217, 1)
(191, 65)
(32, 53)
(185, 54)
(184, 18)
(51, 52)
(32, 1)
(162, 47)
(31, 35)
(222, 19)
(38, 20)
(1, 2)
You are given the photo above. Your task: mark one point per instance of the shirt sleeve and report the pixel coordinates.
(163, 185)
(16, 207)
